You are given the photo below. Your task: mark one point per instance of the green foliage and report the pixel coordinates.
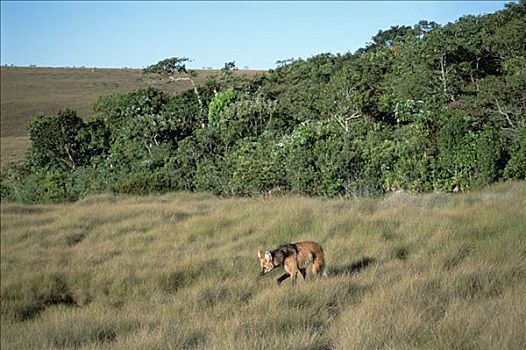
(257, 167)
(516, 167)
(218, 104)
(412, 160)
(168, 66)
(420, 108)
(142, 183)
(469, 158)
(146, 126)
(39, 186)
(247, 117)
(57, 142)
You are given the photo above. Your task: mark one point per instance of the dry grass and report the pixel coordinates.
(13, 149)
(27, 92)
(179, 271)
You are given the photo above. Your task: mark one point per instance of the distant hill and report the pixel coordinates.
(28, 91)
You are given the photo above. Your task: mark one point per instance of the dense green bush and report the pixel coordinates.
(142, 183)
(58, 142)
(516, 167)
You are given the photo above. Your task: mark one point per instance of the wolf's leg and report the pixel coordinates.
(318, 268)
(283, 278)
(291, 267)
(293, 278)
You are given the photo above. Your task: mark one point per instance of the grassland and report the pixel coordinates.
(13, 150)
(179, 271)
(27, 92)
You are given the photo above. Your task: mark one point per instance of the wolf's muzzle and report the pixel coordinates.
(266, 270)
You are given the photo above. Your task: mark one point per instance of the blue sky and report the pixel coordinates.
(253, 34)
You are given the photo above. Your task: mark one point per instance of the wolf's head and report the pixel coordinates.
(266, 262)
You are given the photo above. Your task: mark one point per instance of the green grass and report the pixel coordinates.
(433, 271)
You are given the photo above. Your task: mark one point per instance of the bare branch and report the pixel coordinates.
(344, 122)
(174, 79)
(444, 71)
(505, 114)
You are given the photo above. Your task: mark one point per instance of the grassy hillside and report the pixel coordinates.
(180, 271)
(13, 149)
(27, 92)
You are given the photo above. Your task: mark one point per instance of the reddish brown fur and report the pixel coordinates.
(294, 258)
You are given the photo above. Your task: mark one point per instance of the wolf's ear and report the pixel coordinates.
(260, 254)
(268, 256)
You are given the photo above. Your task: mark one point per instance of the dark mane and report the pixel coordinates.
(283, 251)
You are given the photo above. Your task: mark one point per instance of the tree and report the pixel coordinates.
(146, 126)
(56, 141)
(171, 69)
(283, 63)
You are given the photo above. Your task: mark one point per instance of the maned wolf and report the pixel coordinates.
(294, 257)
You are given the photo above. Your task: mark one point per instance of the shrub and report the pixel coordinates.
(516, 167)
(142, 183)
(57, 142)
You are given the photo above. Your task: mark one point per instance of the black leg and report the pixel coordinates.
(283, 278)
